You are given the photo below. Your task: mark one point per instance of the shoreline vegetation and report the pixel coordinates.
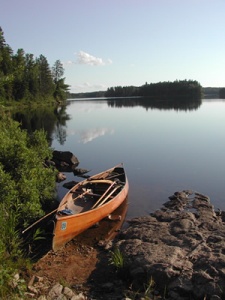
(27, 187)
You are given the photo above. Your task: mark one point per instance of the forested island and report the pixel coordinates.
(184, 88)
(161, 90)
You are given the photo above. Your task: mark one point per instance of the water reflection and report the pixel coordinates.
(54, 119)
(93, 133)
(178, 104)
(51, 119)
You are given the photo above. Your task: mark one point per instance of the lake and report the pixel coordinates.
(164, 148)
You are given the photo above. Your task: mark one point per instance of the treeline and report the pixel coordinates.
(184, 88)
(97, 94)
(222, 93)
(26, 78)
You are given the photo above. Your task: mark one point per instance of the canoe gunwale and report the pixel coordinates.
(66, 217)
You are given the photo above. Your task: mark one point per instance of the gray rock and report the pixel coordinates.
(55, 291)
(80, 296)
(68, 292)
(180, 246)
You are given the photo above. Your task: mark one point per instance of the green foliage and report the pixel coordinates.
(11, 285)
(117, 259)
(149, 288)
(22, 158)
(61, 89)
(24, 78)
(26, 186)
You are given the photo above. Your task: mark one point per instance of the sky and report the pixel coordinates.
(108, 43)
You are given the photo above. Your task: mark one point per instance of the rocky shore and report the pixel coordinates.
(181, 247)
(177, 252)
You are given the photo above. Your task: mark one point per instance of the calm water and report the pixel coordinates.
(163, 149)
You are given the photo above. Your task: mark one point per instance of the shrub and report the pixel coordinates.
(26, 187)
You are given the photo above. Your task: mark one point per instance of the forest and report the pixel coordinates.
(162, 90)
(25, 78)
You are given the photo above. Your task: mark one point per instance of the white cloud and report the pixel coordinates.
(67, 63)
(83, 58)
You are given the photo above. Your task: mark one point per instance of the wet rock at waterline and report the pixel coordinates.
(66, 157)
(181, 247)
(65, 161)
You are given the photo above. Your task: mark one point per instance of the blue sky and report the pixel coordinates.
(105, 43)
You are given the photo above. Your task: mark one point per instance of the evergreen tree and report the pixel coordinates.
(19, 84)
(6, 69)
(57, 71)
(31, 76)
(46, 85)
(61, 88)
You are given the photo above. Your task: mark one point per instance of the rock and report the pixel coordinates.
(109, 287)
(68, 292)
(32, 289)
(180, 246)
(70, 184)
(60, 177)
(80, 296)
(15, 280)
(62, 157)
(55, 291)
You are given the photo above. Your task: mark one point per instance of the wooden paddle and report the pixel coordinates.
(32, 225)
(104, 194)
(106, 198)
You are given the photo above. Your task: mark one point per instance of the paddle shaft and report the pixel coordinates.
(49, 214)
(107, 197)
(32, 225)
(103, 195)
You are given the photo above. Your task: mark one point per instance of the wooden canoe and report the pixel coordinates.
(88, 202)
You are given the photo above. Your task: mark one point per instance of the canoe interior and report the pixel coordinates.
(82, 198)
